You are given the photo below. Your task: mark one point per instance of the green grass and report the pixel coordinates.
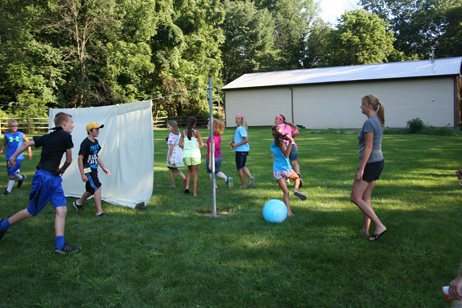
(172, 255)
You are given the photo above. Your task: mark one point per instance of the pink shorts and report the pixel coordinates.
(282, 174)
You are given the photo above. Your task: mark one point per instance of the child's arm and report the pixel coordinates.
(3, 146)
(181, 142)
(198, 136)
(286, 149)
(12, 161)
(67, 163)
(100, 162)
(82, 172)
(240, 143)
(29, 148)
(170, 151)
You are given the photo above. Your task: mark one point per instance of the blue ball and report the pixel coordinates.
(275, 211)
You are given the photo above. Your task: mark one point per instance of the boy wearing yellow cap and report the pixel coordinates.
(88, 166)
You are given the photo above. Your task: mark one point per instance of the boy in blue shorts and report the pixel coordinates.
(12, 141)
(88, 166)
(46, 184)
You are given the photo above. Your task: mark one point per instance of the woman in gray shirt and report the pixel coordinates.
(371, 163)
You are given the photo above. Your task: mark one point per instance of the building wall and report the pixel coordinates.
(338, 105)
(259, 106)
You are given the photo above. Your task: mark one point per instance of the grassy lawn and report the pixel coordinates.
(172, 255)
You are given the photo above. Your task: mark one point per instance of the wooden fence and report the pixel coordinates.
(27, 125)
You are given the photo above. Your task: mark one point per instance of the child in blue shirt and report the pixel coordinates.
(12, 141)
(281, 166)
(242, 148)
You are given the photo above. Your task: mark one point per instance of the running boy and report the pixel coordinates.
(46, 183)
(13, 140)
(88, 166)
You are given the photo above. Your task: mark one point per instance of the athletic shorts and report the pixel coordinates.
(241, 158)
(282, 174)
(93, 183)
(293, 153)
(372, 171)
(217, 164)
(16, 169)
(191, 161)
(45, 187)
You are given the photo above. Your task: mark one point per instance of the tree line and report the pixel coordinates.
(80, 53)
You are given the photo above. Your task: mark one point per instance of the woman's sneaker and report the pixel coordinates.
(101, 215)
(67, 248)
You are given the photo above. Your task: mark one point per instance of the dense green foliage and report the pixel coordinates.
(172, 255)
(78, 53)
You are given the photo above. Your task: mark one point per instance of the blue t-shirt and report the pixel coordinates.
(241, 132)
(14, 141)
(281, 163)
(372, 125)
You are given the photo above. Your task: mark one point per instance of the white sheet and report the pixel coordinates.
(127, 142)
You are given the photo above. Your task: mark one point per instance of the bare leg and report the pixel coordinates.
(195, 168)
(294, 176)
(247, 172)
(357, 195)
(172, 176)
(60, 220)
(367, 198)
(188, 177)
(84, 197)
(23, 214)
(241, 176)
(177, 171)
(285, 191)
(295, 166)
(97, 197)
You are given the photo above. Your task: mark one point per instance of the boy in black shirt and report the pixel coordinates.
(46, 184)
(88, 166)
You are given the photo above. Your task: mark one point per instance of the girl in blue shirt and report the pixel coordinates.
(241, 145)
(281, 167)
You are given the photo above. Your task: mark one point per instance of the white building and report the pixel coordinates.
(330, 97)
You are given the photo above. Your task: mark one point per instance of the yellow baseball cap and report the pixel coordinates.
(92, 125)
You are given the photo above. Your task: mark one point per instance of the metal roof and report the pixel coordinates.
(393, 70)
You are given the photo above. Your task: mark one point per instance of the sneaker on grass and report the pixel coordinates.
(300, 195)
(6, 193)
(78, 207)
(20, 182)
(101, 215)
(251, 182)
(229, 182)
(67, 248)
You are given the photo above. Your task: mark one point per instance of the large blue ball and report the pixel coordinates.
(275, 211)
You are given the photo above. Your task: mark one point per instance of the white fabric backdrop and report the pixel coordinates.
(127, 151)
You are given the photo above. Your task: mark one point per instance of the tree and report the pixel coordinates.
(360, 38)
(450, 42)
(249, 44)
(292, 20)
(186, 52)
(417, 24)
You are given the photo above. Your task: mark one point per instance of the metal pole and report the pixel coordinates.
(212, 151)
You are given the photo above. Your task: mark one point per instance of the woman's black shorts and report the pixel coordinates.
(372, 171)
